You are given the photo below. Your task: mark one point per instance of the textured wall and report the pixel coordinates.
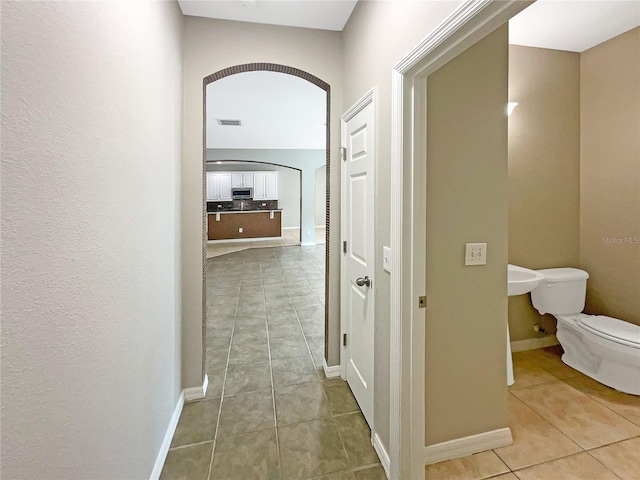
(544, 170)
(213, 45)
(91, 143)
(377, 36)
(610, 176)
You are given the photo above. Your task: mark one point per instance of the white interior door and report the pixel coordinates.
(357, 282)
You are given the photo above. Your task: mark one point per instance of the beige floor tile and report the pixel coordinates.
(311, 449)
(576, 467)
(188, 463)
(505, 476)
(356, 437)
(623, 404)
(197, 423)
(585, 421)
(550, 359)
(474, 467)
(622, 458)
(528, 372)
(246, 457)
(372, 473)
(532, 436)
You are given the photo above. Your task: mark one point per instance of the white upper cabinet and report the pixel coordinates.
(271, 185)
(225, 187)
(259, 190)
(242, 179)
(219, 185)
(213, 187)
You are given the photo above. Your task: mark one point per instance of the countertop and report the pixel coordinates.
(246, 211)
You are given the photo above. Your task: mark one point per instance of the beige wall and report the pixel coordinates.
(610, 176)
(544, 170)
(376, 37)
(210, 46)
(91, 148)
(465, 389)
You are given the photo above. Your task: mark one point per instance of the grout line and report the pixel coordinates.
(224, 382)
(179, 447)
(598, 460)
(273, 393)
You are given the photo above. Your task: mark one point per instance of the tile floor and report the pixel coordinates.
(269, 412)
(565, 426)
(289, 238)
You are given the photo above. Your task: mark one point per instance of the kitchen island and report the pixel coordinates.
(239, 224)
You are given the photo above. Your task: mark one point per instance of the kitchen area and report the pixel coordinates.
(243, 205)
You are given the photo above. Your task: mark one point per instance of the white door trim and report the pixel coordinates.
(470, 22)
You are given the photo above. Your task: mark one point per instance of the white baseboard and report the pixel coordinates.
(290, 228)
(461, 447)
(196, 393)
(242, 240)
(534, 343)
(168, 436)
(308, 244)
(382, 453)
(330, 372)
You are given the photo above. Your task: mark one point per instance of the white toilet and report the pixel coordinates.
(604, 348)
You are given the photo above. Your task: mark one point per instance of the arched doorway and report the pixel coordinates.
(267, 67)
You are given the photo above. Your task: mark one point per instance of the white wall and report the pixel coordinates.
(321, 195)
(289, 197)
(91, 147)
(213, 45)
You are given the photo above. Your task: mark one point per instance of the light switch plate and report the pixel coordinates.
(386, 259)
(475, 254)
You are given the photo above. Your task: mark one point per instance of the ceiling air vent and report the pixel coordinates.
(229, 123)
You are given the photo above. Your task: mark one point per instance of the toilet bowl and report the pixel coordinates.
(604, 348)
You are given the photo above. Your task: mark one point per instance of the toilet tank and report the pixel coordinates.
(561, 292)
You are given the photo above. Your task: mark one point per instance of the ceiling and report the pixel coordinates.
(276, 111)
(574, 25)
(319, 14)
(282, 111)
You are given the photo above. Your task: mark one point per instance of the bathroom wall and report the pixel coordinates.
(544, 170)
(610, 176)
(466, 317)
(91, 154)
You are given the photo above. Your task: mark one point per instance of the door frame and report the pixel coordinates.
(466, 25)
(367, 99)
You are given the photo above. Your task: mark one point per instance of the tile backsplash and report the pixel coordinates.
(242, 205)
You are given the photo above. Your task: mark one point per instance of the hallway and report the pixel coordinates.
(269, 412)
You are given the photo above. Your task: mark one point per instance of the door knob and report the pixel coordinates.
(361, 282)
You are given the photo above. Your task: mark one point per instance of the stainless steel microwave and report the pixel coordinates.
(242, 193)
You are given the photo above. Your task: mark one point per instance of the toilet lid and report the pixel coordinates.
(622, 332)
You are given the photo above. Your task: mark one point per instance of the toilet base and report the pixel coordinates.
(604, 378)
(612, 365)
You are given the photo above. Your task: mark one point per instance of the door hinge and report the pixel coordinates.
(422, 302)
(344, 339)
(344, 153)
(344, 246)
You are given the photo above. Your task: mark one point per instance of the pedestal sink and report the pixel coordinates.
(520, 281)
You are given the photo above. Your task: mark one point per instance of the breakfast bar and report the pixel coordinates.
(239, 224)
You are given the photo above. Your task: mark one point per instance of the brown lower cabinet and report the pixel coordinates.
(253, 224)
